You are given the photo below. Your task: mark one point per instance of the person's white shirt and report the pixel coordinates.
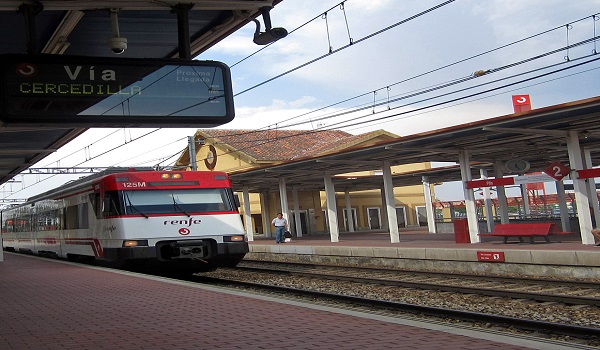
(279, 222)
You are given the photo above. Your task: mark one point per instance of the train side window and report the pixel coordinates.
(83, 216)
(71, 217)
(96, 204)
(110, 204)
(77, 216)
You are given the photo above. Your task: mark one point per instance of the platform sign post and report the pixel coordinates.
(500, 181)
(490, 256)
(588, 173)
(557, 170)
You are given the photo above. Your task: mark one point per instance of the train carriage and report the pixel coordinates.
(174, 220)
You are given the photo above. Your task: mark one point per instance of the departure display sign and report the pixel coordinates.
(51, 90)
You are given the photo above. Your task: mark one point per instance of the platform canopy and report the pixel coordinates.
(538, 136)
(153, 29)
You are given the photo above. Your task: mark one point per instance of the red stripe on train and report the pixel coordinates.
(93, 242)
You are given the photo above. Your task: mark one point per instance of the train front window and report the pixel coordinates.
(182, 201)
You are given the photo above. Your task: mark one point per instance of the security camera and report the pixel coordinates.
(117, 45)
(269, 36)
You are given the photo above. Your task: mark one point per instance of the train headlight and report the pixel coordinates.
(135, 243)
(165, 176)
(233, 239)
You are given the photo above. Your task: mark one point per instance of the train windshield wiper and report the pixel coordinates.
(133, 206)
(178, 206)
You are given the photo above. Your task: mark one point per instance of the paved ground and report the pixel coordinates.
(49, 304)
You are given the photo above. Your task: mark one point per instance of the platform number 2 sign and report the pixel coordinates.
(557, 170)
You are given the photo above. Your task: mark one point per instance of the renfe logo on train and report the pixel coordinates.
(189, 222)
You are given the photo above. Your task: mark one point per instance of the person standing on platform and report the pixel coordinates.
(281, 225)
(596, 234)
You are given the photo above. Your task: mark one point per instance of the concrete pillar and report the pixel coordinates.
(591, 187)
(283, 198)
(562, 205)
(390, 202)
(266, 216)
(297, 222)
(349, 212)
(334, 229)
(525, 196)
(470, 205)
(581, 197)
(248, 215)
(487, 197)
(429, 205)
(384, 216)
(498, 170)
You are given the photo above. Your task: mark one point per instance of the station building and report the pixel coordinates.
(242, 150)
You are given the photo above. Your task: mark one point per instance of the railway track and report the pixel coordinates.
(497, 304)
(541, 290)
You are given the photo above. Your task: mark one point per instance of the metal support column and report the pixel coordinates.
(266, 216)
(296, 212)
(29, 11)
(183, 29)
(525, 197)
(429, 205)
(501, 191)
(591, 187)
(487, 197)
(581, 198)
(470, 205)
(562, 206)
(283, 198)
(334, 229)
(248, 215)
(349, 217)
(192, 151)
(384, 224)
(390, 202)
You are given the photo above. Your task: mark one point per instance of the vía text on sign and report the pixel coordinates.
(97, 83)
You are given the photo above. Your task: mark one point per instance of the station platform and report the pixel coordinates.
(420, 250)
(54, 304)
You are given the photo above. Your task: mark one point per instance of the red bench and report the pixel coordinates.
(530, 230)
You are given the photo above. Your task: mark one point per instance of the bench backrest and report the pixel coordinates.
(543, 228)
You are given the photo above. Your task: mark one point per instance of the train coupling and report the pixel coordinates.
(194, 249)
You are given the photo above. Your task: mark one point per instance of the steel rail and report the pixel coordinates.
(489, 291)
(512, 322)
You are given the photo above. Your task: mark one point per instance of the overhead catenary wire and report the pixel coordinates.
(478, 98)
(438, 87)
(347, 46)
(91, 158)
(387, 87)
(406, 114)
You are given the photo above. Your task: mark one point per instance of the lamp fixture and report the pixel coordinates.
(270, 35)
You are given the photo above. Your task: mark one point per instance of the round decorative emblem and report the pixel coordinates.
(211, 158)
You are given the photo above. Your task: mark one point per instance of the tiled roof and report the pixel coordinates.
(280, 145)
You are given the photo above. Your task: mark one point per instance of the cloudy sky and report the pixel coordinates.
(410, 68)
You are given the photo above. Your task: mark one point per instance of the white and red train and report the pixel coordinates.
(184, 221)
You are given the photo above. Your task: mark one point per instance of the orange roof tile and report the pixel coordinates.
(279, 145)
